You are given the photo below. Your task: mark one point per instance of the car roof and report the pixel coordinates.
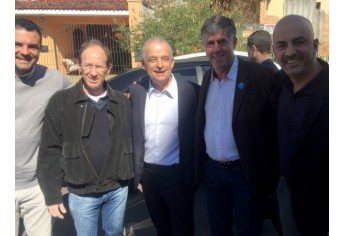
(203, 54)
(122, 81)
(192, 56)
(199, 60)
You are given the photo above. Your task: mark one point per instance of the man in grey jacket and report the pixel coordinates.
(34, 85)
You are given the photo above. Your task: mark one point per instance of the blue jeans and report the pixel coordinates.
(85, 211)
(231, 201)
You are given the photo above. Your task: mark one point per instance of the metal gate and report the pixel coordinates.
(61, 48)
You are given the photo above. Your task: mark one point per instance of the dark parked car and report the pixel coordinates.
(190, 67)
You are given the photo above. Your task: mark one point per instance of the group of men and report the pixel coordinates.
(255, 137)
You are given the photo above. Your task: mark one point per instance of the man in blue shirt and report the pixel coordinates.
(236, 133)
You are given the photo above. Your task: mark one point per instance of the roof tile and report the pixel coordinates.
(72, 5)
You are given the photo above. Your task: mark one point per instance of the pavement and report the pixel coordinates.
(138, 223)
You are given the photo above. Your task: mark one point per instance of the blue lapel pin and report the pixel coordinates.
(240, 85)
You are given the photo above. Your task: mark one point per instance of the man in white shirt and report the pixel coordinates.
(163, 112)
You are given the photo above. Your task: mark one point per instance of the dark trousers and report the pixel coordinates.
(270, 208)
(169, 201)
(231, 201)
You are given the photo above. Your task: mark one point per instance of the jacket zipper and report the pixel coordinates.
(81, 131)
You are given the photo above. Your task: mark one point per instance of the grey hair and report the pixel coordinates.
(219, 23)
(154, 39)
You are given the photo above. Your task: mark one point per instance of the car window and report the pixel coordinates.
(186, 74)
(123, 81)
(190, 70)
(201, 75)
(143, 79)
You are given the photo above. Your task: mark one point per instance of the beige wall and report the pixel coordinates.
(57, 32)
(275, 7)
(324, 6)
(58, 35)
(135, 12)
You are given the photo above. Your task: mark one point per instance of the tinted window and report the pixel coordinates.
(186, 74)
(186, 70)
(122, 82)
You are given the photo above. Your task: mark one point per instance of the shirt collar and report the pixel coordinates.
(170, 91)
(232, 74)
(310, 88)
(95, 99)
(101, 103)
(29, 74)
(80, 95)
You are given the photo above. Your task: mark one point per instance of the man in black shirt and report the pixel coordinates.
(303, 128)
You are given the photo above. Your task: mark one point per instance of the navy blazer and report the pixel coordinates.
(187, 105)
(254, 126)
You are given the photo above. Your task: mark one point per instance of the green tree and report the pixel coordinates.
(248, 7)
(180, 24)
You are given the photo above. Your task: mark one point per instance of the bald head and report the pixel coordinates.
(293, 22)
(294, 47)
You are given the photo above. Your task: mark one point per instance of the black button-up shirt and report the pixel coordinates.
(292, 109)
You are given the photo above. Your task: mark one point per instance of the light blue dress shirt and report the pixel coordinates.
(219, 137)
(161, 125)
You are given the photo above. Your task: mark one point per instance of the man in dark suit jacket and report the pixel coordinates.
(236, 133)
(303, 128)
(163, 123)
(259, 45)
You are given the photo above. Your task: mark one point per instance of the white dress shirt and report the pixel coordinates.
(219, 137)
(161, 125)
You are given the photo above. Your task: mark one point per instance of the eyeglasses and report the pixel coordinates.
(98, 68)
